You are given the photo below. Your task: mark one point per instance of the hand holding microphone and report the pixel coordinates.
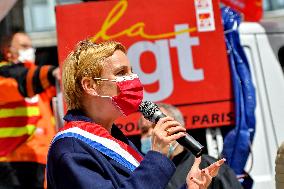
(164, 133)
(167, 130)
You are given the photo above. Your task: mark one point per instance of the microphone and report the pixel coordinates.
(152, 113)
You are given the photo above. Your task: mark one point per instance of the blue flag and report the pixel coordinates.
(237, 142)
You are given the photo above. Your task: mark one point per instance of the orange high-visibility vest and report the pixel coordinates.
(27, 125)
(17, 123)
(35, 147)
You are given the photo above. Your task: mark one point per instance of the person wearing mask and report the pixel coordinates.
(90, 151)
(181, 157)
(26, 121)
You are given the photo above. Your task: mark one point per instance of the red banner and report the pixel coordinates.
(251, 9)
(177, 49)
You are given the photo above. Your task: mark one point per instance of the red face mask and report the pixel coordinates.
(130, 94)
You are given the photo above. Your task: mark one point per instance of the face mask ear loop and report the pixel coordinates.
(171, 150)
(175, 146)
(102, 79)
(118, 79)
(104, 96)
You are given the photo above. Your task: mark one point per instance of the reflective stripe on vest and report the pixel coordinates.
(4, 63)
(17, 122)
(19, 112)
(17, 131)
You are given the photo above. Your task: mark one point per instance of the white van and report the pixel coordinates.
(262, 43)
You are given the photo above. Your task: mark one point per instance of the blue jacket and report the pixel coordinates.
(75, 164)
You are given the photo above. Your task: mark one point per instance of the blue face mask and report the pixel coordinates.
(146, 144)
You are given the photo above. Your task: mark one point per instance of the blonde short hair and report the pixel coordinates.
(85, 61)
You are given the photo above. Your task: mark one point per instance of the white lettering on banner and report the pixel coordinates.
(183, 42)
(163, 73)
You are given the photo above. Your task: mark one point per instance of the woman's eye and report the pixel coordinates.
(122, 73)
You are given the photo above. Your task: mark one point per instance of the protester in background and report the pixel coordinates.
(279, 168)
(182, 158)
(90, 151)
(26, 121)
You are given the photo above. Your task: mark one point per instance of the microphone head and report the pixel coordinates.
(152, 113)
(149, 109)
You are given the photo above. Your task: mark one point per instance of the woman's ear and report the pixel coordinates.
(89, 86)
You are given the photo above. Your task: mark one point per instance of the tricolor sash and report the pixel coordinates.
(100, 139)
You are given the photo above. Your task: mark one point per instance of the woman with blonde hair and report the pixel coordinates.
(90, 151)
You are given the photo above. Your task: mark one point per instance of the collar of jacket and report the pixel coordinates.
(78, 115)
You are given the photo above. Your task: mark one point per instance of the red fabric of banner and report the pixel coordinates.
(251, 9)
(179, 53)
